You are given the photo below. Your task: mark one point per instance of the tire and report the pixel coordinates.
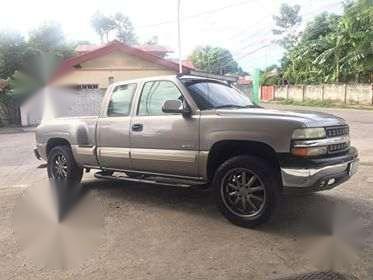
(73, 172)
(67, 189)
(246, 190)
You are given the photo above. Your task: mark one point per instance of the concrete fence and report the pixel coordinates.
(338, 93)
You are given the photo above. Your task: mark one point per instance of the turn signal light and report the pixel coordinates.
(309, 152)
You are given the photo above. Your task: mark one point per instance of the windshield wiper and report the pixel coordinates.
(229, 106)
(253, 106)
(237, 106)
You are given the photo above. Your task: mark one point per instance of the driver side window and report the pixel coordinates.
(153, 96)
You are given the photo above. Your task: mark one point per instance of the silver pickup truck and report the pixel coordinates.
(193, 131)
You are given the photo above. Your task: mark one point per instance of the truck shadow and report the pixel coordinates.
(191, 201)
(296, 215)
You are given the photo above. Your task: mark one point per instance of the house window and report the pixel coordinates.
(84, 86)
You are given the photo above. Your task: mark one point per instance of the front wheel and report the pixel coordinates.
(246, 190)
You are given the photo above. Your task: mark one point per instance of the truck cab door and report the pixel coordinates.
(161, 142)
(113, 142)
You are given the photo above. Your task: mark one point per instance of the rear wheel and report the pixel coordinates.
(65, 176)
(246, 190)
(62, 166)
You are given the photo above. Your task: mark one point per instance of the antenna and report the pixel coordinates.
(179, 34)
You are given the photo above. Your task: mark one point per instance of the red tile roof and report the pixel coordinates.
(186, 63)
(68, 64)
(154, 48)
(85, 48)
(146, 47)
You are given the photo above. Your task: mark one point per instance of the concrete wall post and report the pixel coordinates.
(345, 93)
(287, 92)
(303, 92)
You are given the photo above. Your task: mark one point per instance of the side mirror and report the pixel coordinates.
(175, 106)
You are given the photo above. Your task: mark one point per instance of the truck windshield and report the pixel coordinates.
(212, 95)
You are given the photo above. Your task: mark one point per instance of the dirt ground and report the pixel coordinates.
(156, 232)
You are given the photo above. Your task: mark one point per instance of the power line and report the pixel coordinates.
(249, 53)
(241, 52)
(246, 54)
(196, 15)
(306, 18)
(265, 28)
(238, 53)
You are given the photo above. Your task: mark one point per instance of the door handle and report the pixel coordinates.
(137, 127)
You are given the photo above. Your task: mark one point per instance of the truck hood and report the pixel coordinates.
(308, 118)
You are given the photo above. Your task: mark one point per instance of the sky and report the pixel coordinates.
(242, 26)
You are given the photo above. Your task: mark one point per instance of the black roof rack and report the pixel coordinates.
(229, 79)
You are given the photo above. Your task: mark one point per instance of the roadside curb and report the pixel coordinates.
(11, 130)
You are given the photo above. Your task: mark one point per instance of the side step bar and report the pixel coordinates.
(155, 180)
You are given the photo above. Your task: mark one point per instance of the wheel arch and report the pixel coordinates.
(225, 149)
(56, 141)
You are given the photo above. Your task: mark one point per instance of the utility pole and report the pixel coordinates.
(179, 34)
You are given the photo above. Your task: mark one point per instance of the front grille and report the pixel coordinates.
(336, 131)
(336, 148)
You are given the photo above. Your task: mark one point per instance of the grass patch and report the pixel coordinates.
(321, 103)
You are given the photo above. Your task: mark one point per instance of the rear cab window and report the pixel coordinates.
(121, 100)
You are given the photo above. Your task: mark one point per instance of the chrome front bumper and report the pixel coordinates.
(325, 177)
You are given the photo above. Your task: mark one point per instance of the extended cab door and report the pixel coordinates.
(113, 142)
(160, 142)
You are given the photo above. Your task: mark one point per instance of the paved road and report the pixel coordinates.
(167, 233)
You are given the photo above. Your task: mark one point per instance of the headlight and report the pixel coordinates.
(309, 133)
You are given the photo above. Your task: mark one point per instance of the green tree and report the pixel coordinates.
(334, 48)
(122, 25)
(320, 26)
(28, 65)
(286, 23)
(103, 25)
(271, 75)
(48, 36)
(356, 29)
(124, 28)
(12, 48)
(45, 49)
(215, 60)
